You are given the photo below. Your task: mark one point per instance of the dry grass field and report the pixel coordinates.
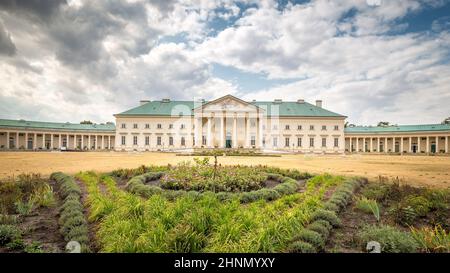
(417, 170)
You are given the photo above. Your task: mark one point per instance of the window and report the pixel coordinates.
(299, 142)
(286, 142)
(324, 142)
(193, 141)
(124, 138)
(158, 141)
(135, 126)
(147, 126)
(147, 140)
(123, 126)
(336, 127)
(170, 126)
(134, 140)
(311, 127)
(324, 127)
(183, 141)
(299, 127)
(171, 141)
(203, 140)
(275, 142)
(336, 142)
(311, 142)
(159, 126)
(183, 126)
(286, 127)
(253, 141)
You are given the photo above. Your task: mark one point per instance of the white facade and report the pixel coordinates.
(229, 122)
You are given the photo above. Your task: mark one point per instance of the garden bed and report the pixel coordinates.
(400, 217)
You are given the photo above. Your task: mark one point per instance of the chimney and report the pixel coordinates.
(142, 102)
(300, 101)
(319, 103)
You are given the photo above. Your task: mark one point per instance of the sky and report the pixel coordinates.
(371, 60)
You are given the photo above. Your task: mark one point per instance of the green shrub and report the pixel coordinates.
(6, 219)
(432, 240)
(391, 239)
(312, 237)
(404, 216)
(320, 228)
(376, 191)
(331, 206)
(419, 204)
(25, 208)
(301, 247)
(8, 233)
(66, 184)
(327, 215)
(368, 206)
(72, 223)
(16, 244)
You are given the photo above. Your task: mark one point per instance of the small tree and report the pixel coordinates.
(383, 123)
(86, 122)
(446, 121)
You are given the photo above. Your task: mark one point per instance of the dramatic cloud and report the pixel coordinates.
(371, 60)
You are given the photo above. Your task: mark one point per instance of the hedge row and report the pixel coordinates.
(287, 185)
(73, 225)
(313, 238)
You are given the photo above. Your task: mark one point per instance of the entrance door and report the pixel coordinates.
(228, 142)
(433, 148)
(414, 148)
(30, 144)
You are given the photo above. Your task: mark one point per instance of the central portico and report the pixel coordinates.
(228, 122)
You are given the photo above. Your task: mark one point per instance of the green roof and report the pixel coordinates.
(24, 124)
(285, 109)
(398, 128)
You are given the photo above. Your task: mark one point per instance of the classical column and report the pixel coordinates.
(393, 144)
(410, 145)
(357, 144)
(7, 141)
(247, 131)
(222, 131)
(96, 143)
(401, 145)
(446, 144)
(103, 142)
(371, 144)
(419, 139)
(82, 142)
(437, 144)
(208, 132)
(428, 145)
(89, 142)
(51, 141)
(43, 141)
(109, 143)
(259, 132)
(26, 141)
(234, 132)
(35, 141)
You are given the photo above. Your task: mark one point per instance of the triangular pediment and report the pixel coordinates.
(228, 103)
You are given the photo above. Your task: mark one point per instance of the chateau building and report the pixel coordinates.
(227, 122)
